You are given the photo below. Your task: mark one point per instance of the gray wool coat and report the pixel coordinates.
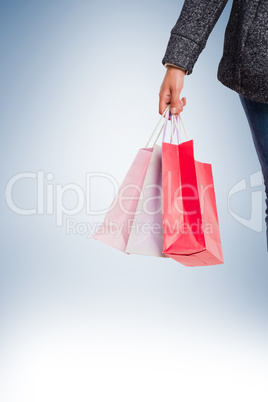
(244, 63)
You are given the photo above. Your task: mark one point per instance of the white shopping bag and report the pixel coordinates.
(146, 236)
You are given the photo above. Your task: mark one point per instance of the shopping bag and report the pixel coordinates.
(146, 236)
(190, 219)
(116, 227)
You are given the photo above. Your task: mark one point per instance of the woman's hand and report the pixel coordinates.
(170, 91)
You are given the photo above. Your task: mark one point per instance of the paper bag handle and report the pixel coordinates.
(174, 125)
(162, 115)
(166, 115)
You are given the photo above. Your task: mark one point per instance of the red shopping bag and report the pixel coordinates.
(190, 219)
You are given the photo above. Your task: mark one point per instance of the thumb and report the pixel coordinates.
(175, 103)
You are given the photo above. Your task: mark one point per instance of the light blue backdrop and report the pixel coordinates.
(81, 321)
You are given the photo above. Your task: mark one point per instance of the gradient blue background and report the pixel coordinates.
(81, 321)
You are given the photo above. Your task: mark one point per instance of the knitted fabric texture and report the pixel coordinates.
(244, 64)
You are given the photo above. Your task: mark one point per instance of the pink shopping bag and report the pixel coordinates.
(116, 226)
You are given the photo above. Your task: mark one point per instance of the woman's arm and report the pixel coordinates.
(187, 40)
(190, 34)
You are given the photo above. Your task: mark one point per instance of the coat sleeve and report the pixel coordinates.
(189, 35)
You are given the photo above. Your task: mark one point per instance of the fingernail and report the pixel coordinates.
(173, 110)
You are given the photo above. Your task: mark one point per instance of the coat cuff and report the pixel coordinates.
(170, 64)
(182, 52)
